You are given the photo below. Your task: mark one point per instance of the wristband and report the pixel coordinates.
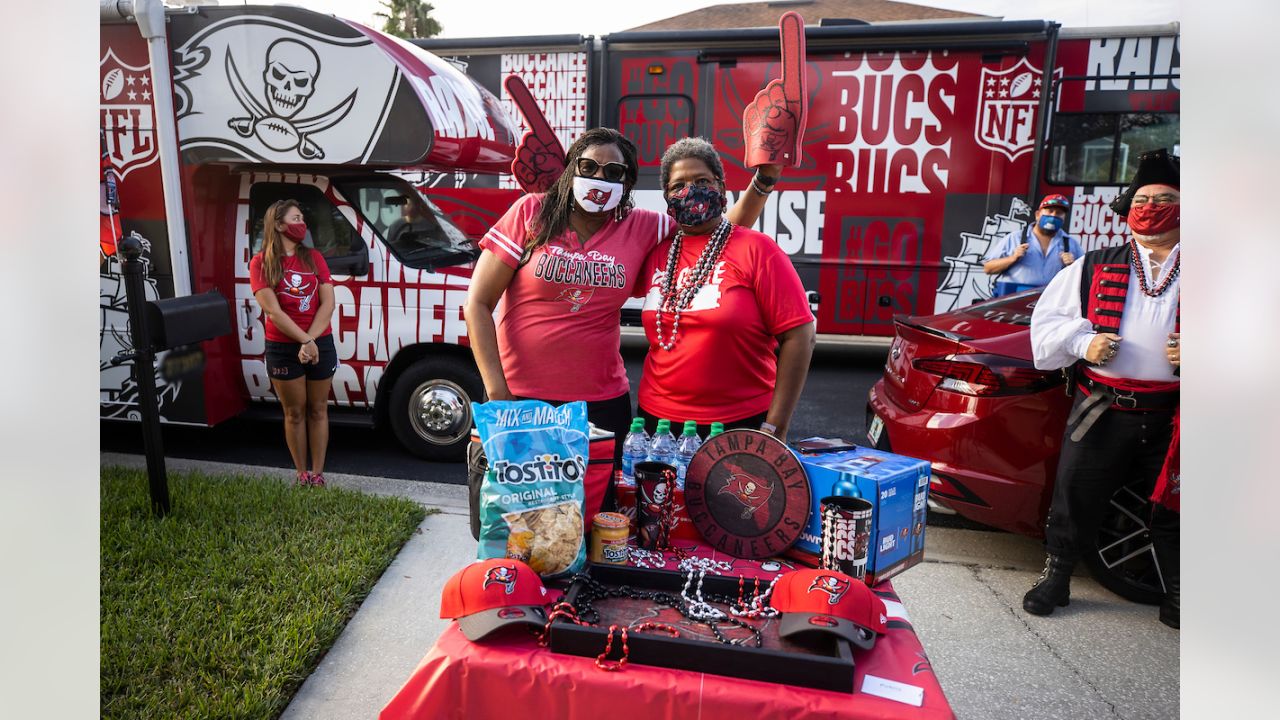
(761, 191)
(765, 181)
(769, 427)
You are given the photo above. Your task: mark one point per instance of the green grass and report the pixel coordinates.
(224, 607)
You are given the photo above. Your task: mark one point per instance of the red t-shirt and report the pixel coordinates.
(723, 365)
(558, 324)
(298, 291)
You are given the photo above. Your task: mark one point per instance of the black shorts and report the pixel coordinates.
(283, 363)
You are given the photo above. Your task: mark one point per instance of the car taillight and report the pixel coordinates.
(986, 375)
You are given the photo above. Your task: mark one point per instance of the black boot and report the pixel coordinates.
(1053, 589)
(1164, 540)
(1171, 608)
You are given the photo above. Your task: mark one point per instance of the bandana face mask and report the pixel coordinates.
(596, 195)
(694, 205)
(1151, 219)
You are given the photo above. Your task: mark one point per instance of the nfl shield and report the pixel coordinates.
(1008, 105)
(127, 114)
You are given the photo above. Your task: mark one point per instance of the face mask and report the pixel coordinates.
(296, 231)
(1152, 219)
(1050, 223)
(694, 205)
(596, 195)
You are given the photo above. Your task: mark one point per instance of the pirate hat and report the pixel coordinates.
(491, 594)
(829, 601)
(1154, 167)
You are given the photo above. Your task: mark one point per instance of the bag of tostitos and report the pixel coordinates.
(531, 499)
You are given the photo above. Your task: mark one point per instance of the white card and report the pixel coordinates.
(893, 690)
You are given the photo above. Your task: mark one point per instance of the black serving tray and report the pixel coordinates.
(820, 660)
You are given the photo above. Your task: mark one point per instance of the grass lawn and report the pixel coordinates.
(223, 608)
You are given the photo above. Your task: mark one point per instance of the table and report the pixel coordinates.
(508, 677)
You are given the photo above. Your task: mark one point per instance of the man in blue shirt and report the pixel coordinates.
(1022, 264)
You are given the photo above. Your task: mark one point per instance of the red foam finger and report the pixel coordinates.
(791, 36)
(531, 111)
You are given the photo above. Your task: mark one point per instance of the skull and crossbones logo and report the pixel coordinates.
(289, 81)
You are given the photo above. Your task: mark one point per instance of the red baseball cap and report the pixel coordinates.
(1056, 200)
(829, 601)
(491, 594)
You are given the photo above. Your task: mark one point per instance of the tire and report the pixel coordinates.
(1124, 561)
(430, 408)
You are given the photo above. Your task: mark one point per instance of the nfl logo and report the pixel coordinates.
(1008, 105)
(127, 114)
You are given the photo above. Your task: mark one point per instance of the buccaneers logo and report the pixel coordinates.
(577, 297)
(504, 575)
(753, 492)
(834, 587)
(598, 196)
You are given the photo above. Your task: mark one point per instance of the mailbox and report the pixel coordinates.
(174, 322)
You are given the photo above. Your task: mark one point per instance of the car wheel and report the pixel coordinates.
(1125, 561)
(431, 407)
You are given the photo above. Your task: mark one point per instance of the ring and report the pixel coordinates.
(1113, 345)
(1172, 343)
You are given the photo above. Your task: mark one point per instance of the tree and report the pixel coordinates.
(409, 19)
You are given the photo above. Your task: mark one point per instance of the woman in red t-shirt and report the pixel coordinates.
(292, 286)
(728, 322)
(562, 264)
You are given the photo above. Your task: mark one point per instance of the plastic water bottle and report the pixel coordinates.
(688, 445)
(635, 448)
(662, 448)
(716, 429)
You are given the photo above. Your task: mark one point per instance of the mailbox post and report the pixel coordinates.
(144, 371)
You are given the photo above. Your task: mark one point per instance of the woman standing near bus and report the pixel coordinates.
(292, 286)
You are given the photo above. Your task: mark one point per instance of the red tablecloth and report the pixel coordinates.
(510, 677)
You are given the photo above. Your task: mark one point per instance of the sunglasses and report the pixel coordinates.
(613, 171)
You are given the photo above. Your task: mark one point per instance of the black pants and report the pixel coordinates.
(651, 423)
(1121, 447)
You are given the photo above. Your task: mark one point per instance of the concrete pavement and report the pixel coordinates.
(1100, 657)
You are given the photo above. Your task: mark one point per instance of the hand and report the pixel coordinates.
(1102, 348)
(773, 124)
(308, 353)
(540, 158)
(1067, 258)
(1173, 349)
(1019, 251)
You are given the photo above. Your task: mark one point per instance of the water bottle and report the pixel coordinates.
(689, 444)
(716, 429)
(635, 448)
(662, 448)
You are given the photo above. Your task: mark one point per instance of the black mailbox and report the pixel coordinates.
(174, 322)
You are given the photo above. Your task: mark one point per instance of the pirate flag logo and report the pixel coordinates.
(598, 196)
(503, 575)
(834, 587)
(753, 492)
(576, 297)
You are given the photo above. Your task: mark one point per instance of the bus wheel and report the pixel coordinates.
(431, 408)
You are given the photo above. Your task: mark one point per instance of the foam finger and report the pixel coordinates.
(530, 110)
(791, 32)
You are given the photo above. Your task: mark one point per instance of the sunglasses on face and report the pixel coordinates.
(613, 171)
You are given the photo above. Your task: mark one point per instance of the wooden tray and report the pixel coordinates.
(818, 661)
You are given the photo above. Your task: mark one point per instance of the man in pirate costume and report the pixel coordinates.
(1114, 317)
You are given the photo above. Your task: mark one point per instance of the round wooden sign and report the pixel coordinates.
(747, 494)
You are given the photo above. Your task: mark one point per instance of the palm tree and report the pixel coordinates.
(409, 19)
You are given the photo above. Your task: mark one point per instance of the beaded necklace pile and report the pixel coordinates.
(1135, 257)
(676, 299)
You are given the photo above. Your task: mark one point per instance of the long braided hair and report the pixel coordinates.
(273, 244)
(553, 217)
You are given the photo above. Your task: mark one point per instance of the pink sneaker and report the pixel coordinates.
(304, 478)
(317, 479)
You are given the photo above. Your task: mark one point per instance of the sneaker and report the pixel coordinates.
(317, 479)
(304, 478)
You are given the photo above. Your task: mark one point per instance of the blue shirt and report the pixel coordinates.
(1034, 269)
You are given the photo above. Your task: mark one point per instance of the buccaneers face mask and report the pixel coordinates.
(694, 205)
(1152, 219)
(596, 195)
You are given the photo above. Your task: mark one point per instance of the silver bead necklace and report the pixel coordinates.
(676, 299)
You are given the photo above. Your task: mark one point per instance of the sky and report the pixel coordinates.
(494, 18)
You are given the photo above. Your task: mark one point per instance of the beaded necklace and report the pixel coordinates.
(676, 300)
(1135, 257)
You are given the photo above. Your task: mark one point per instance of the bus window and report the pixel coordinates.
(1103, 148)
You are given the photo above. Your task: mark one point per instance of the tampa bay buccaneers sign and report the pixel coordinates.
(747, 494)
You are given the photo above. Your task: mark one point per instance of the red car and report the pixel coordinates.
(960, 390)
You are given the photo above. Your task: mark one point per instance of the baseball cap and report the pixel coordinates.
(1056, 200)
(491, 594)
(829, 601)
